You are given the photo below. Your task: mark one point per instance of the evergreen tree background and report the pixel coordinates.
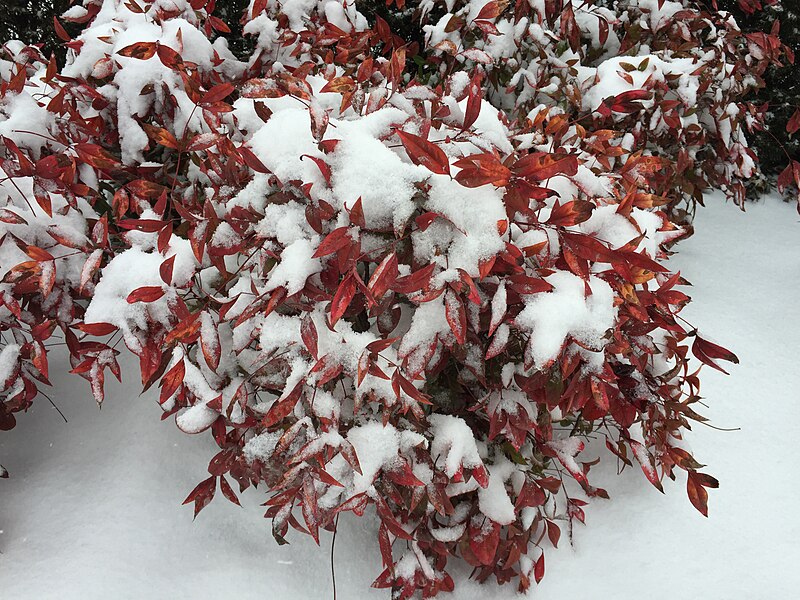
(32, 22)
(782, 90)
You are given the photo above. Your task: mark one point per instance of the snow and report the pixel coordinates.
(9, 356)
(474, 214)
(453, 444)
(134, 268)
(93, 506)
(552, 317)
(295, 266)
(365, 168)
(428, 320)
(377, 447)
(260, 447)
(494, 501)
(605, 81)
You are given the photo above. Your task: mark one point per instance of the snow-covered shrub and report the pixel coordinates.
(408, 274)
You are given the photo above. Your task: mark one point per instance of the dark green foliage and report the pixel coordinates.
(32, 22)
(782, 84)
(230, 11)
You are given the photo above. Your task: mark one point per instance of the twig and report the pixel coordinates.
(54, 406)
(333, 546)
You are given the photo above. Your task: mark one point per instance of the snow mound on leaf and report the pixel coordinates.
(363, 167)
(454, 442)
(567, 311)
(378, 447)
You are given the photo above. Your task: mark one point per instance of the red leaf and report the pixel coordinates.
(209, 341)
(380, 345)
(415, 281)
(490, 10)
(344, 295)
(483, 541)
(98, 329)
(588, 247)
(627, 102)
(603, 29)
(794, 122)
(474, 97)
(38, 254)
(308, 332)
(333, 242)
(168, 57)
(554, 533)
(424, 220)
(227, 491)
(706, 352)
(95, 156)
(217, 93)
(90, 267)
(425, 153)
(218, 24)
(161, 136)
(319, 121)
(171, 381)
(638, 259)
(328, 368)
(339, 85)
(456, 316)
(10, 217)
(480, 169)
(202, 141)
(251, 160)
(357, 214)
(165, 270)
(202, 494)
(323, 167)
(326, 477)
(148, 293)
(349, 454)
(385, 545)
(60, 31)
(401, 383)
(647, 462)
(570, 213)
(283, 406)
(538, 569)
(42, 198)
(384, 276)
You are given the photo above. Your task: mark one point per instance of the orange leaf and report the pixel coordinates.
(140, 50)
(570, 213)
(480, 169)
(696, 485)
(541, 166)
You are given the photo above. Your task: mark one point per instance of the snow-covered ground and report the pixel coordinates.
(93, 507)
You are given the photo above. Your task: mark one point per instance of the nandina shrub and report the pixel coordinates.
(388, 275)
